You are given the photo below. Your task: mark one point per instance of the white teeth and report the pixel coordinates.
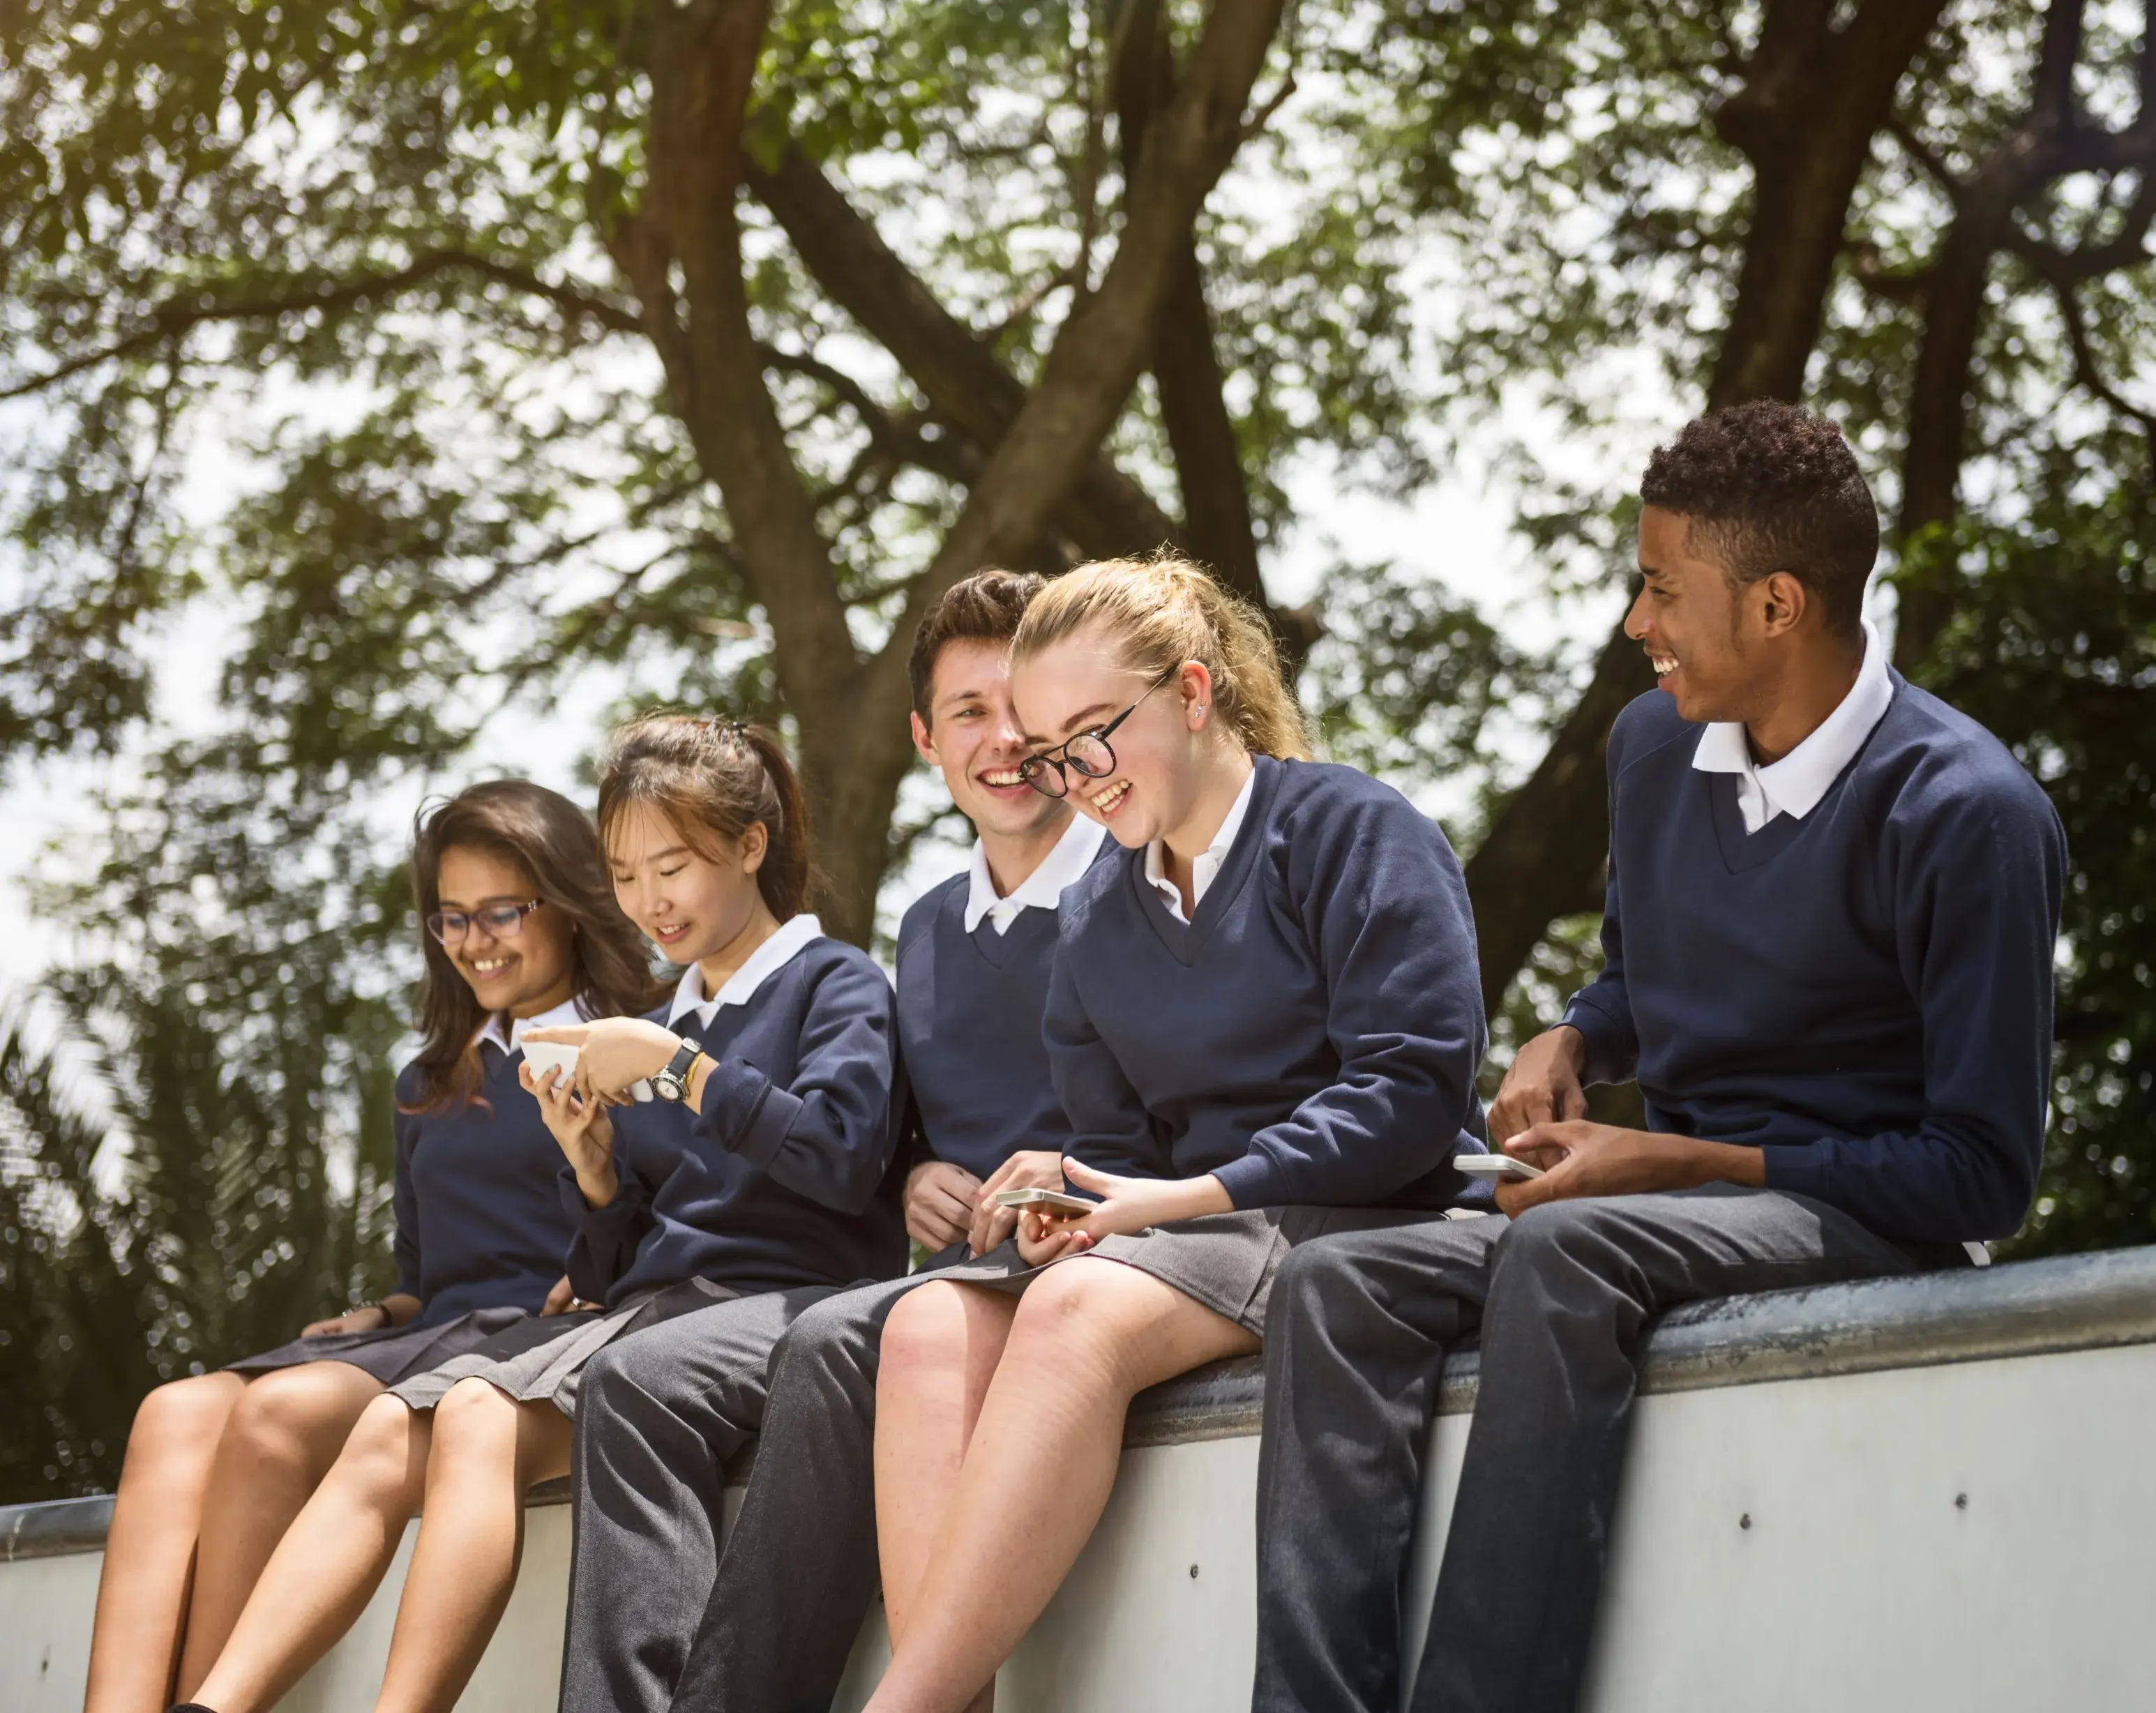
(1106, 799)
(1663, 665)
(1002, 776)
(487, 966)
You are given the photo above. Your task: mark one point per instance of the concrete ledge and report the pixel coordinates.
(2028, 1308)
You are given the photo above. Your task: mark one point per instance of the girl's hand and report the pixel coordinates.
(580, 1124)
(1128, 1205)
(370, 1319)
(613, 1053)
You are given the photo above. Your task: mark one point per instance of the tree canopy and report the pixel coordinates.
(693, 348)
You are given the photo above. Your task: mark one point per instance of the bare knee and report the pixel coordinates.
(931, 1332)
(385, 1455)
(185, 1418)
(295, 1419)
(1064, 1327)
(473, 1424)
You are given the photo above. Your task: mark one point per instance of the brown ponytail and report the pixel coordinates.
(716, 777)
(1162, 612)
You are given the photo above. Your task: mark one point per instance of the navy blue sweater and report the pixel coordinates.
(1310, 1036)
(969, 1009)
(480, 1224)
(781, 1179)
(1866, 991)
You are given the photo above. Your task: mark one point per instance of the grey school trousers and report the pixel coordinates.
(658, 1616)
(1356, 1336)
(659, 1414)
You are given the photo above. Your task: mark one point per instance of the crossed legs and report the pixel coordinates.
(217, 1468)
(998, 1428)
(467, 1464)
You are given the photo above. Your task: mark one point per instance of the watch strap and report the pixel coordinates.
(672, 1084)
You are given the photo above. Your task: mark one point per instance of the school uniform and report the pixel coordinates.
(771, 1192)
(1308, 1034)
(1844, 959)
(774, 1616)
(481, 1227)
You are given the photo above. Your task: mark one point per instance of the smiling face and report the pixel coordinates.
(522, 973)
(1164, 751)
(691, 905)
(976, 741)
(1702, 632)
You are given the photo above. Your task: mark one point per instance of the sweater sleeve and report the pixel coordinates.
(1602, 1010)
(404, 1197)
(1975, 887)
(606, 1240)
(1383, 902)
(828, 1134)
(1111, 1130)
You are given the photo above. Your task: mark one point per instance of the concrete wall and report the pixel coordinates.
(1920, 1494)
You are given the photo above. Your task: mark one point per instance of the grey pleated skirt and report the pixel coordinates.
(540, 1357)
(393, 1354)
(1224, 1261)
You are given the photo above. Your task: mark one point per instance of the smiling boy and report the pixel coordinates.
(1827, 960)
(661, 1415)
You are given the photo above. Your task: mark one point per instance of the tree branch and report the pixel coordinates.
(181, 316)
(2090, 374)
(1105, 513)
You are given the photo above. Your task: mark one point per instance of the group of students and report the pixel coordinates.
(1226, 992)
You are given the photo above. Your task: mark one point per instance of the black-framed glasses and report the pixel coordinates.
(503, 921)
(1087, 753)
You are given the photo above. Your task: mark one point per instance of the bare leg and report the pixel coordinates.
(941, 1347)
(1087, 1336)
(327, 1567)
(281, 1440)
(489, 1451)
(150, 1548)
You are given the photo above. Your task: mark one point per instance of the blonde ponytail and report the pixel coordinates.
(1162, 612)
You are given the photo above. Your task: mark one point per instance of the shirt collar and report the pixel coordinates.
(1070, 856)
(764, 962)
(1794, 785)
(507, 1033)
(1207, 864)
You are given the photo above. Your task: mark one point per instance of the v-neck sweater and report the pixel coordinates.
(480, 1224)
(783, 1177)
(1310, 1036)
(1864, 991)
(969, 1011)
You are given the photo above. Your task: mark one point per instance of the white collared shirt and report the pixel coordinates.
(1793, 785)
(509, 1034)
(764, 962)
(1206, 869)
(1070, 856)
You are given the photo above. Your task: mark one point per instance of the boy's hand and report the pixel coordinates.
(939, 1203)
(1582, 1159)
(1543, 1086)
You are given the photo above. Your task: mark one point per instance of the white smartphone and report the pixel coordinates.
(1496, 1165)
(544, 1056)
(1045, 1198)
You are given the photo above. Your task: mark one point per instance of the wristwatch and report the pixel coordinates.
(672, 1084)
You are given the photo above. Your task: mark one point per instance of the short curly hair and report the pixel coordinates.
(983, 607)
(1766, 487)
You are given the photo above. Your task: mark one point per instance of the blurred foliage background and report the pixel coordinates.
(687, 351)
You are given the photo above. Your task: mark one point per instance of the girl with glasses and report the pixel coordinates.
(1264, 1023)
(522, 928)
(752, 1183)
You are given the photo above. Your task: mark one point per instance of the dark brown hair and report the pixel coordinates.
(1766, 487)
(718, 776)
(983, 607)
(553, 842)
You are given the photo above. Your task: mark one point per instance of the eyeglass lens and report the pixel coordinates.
(505, 921)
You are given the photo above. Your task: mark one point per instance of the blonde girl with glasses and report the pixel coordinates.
(1264, 1024)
